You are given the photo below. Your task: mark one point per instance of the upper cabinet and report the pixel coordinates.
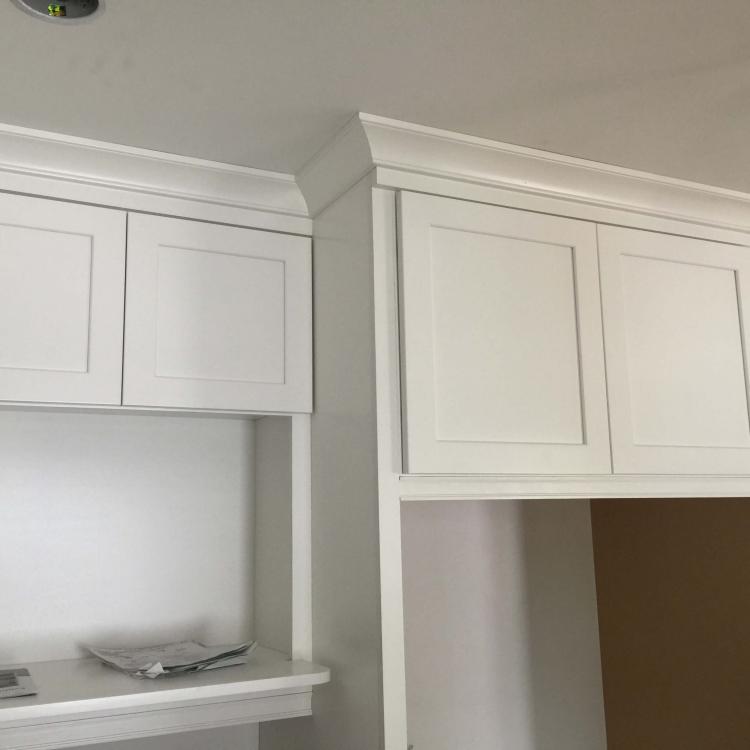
(503, 364)
(675, 325)
(62, 272)
(217, 317)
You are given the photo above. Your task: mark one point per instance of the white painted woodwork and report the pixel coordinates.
(675, 332)
(301, 536)
(82, 701)
(62, 272)
(503, 361)
(477, 486)
(404, 155)
(357, 331)
(502, 642)
(390, 463)
(135, 179)
(217, 317)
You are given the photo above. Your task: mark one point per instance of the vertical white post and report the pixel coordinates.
(301, 538)
(389, 467)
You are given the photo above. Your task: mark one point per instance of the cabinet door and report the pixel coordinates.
(62, 279)
(502, 341)
(217, 317)
(676, 352)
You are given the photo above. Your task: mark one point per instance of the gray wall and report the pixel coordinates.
(123, 528)
(502, 643)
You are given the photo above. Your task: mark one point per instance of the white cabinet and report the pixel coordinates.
(502, 342)
(675, 325)
(62, 270)
(217, 317)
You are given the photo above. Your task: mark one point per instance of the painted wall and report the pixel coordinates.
(673, 581)
(502, 648)
(125, 529)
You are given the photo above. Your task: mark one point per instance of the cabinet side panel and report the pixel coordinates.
(502, 646)
(674, 612)
(347, 713)
(273, 533)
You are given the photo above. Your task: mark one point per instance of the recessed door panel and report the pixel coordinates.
(201, 293)
(485, 289)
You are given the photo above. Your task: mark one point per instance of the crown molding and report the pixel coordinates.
(80, 169)
(339, 165)
(467, 166)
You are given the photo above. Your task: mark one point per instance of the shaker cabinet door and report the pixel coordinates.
(675, 325)
(503, 368)
(217, 317)
(62, 275)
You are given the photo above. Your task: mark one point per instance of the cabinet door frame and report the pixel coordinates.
(630, 457)
(143, 386)
(98, 380)
(424, 453)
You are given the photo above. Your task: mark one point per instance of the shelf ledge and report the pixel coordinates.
(81, 701)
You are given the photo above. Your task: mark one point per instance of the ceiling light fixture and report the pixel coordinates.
(63, 11)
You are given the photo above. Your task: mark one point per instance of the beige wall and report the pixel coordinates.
(673, 582)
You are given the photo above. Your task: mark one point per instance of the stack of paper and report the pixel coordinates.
(16, 682)
(173, 658)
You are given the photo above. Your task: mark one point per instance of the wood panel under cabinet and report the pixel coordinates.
(217, 317)
(502, 343)
(62, 274)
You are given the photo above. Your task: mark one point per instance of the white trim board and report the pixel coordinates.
(397, 149)
(78, 169)
(81, 701)
(509, 487)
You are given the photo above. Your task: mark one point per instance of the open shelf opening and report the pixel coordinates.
(131, 530)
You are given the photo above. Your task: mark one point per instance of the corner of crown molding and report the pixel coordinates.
(341, 163)
(418, 149)
(70, 159)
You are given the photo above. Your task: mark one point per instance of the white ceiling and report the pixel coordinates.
(660, 85)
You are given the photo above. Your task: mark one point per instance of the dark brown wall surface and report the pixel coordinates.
(673, 587)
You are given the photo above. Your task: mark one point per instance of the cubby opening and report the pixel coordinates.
(135, 529)
(577, 625)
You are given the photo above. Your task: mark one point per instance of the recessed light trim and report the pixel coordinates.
(64, 11)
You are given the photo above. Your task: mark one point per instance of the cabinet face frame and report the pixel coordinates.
(424, 452)
(197, 250)
(74, 353)
(634, 380)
